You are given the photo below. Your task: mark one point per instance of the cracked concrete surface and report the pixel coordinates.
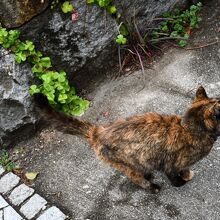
(75, 180)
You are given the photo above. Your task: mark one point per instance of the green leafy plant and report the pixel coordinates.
(8, 38)
(6, 162)
(106, 4)
(54, 3)
(55, 85)
(121, 39)
(123, 33)
(67, 7)
(178, 25)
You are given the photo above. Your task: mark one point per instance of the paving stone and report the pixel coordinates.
(3, 203)
(11, 214)
(1, 215)
(33, 206)
(51, 214)
(8, 182)
(20, 194)
(2, 170)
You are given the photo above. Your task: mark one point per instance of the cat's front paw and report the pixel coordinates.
(178, 182)
(187, 175)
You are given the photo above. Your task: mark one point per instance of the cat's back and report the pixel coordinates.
(139, 137)
(141, 127)
(157, 118)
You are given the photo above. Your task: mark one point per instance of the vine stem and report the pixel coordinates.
(202, 46)
(119, 59)
(142, 68)
(167, 38)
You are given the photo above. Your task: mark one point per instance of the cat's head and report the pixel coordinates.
(204, 113)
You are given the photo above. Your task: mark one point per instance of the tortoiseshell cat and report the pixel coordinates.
(140, 144)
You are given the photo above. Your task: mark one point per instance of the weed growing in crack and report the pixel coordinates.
(67, 7)
(6, 162)
(143, 43)
(178, 25)
(105, 4)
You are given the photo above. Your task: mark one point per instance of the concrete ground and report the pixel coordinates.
(71, 177)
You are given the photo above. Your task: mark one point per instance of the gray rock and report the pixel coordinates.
(14, 13)
(84, 46)
(142, 12)
(17, 118)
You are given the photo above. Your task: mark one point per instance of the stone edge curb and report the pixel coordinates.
(20, 202)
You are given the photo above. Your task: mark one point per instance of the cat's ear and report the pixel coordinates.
(201, 93)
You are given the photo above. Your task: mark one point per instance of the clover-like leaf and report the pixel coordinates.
(3, 35)
(67, 7)
(61, 78)
(20, 57)
(174, 34)
(46, 78)
(50, 97)
(29, 45)
(182, 43)
(45, 62)
(34, 89)
(62, 98)
(112, 9)
(121, 39)
(37, 69)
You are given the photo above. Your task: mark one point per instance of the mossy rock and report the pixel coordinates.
(14, 13)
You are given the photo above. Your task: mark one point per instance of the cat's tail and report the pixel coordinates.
(61, 121)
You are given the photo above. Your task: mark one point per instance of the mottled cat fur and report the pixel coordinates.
(140, 144)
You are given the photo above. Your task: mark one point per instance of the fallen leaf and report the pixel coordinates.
(106, 114)
(75, 16)
(189, 31)
(31, 175)
(18, 171)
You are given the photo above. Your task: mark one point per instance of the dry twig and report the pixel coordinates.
(202, 46)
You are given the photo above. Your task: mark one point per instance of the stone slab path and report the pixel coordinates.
(18, 201)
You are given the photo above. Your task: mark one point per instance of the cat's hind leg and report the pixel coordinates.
(143, 179)
(136, 177)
